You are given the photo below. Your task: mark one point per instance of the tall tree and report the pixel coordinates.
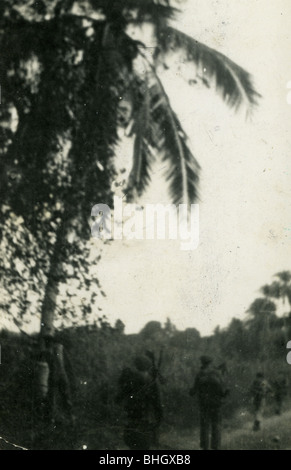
(280, 289)
(67, 70)
(262, 316)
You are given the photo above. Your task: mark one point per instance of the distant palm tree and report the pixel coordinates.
(280, 289)
(262, 313)
(68, 76)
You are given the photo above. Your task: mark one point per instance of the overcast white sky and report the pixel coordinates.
(245, 213)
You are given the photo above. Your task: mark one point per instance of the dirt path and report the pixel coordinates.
(274, 434)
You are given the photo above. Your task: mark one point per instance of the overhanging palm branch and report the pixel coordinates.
(172, 144)
(231, 81)
(140, 175)
(158, 129)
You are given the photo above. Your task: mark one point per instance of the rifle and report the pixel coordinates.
(156, 366)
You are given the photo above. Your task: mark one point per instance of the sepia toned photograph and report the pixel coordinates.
(145, 226)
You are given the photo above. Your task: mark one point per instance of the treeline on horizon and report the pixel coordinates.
(98, 354)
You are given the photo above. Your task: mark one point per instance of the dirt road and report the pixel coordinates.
(275, 434)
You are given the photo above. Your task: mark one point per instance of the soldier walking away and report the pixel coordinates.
(210, 390)
(259, 390)
(138, 394)
(157, 378)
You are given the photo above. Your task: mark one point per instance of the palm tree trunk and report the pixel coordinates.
(49, 302)
(51, 289)
(44, 385)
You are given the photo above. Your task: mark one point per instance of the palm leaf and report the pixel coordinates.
(183, 174)
(140, 175)
(232, 82)
(163, 132)
(172, 143)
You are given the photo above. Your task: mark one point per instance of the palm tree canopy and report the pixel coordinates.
(262, 312)
(65, 75)
(280, 288)
(284, 277)
(272, 290)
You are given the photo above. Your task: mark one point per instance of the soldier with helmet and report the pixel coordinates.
(210, 390)
(137, 392)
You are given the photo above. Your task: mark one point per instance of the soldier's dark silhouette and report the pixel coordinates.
(210, 390)
(157, 378)
(138, 393)
(259, 391)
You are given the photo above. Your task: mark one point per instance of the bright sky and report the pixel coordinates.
(245, 213)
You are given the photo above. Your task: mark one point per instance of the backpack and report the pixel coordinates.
(210, 386)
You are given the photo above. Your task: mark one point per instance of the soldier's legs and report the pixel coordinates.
(137, 435)
(65, 395)
(204, 428)
(156, 427)
(156, 434)
(257, 423)
(215, 429)
(51, 403)
(257, 416)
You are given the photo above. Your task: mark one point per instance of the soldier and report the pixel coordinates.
(138, 394)
(259, 390)
(156, 395)
(210, 390)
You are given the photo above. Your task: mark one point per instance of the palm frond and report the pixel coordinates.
(162, 131)
(140, 175)
(231, 81)
(183, 174)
